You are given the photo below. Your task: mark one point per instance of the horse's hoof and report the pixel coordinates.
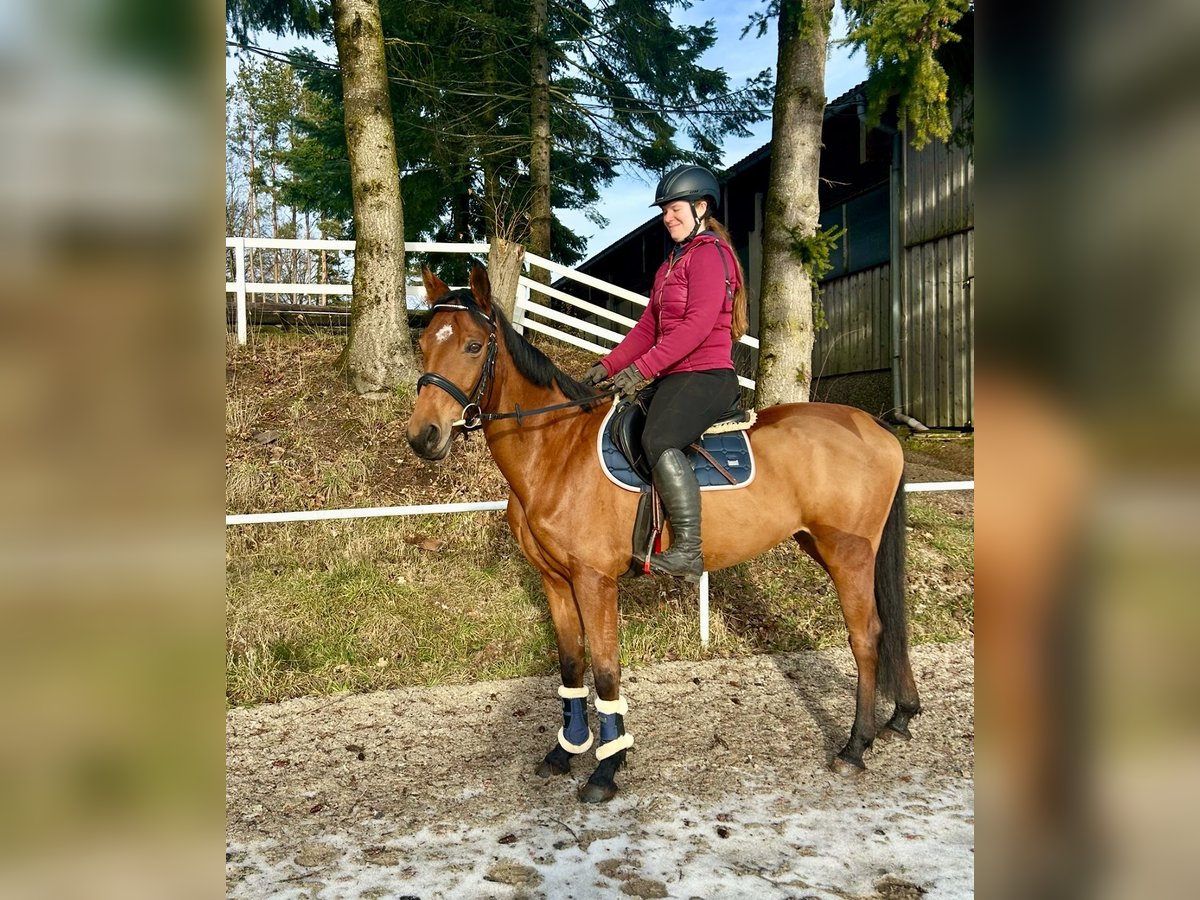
(846, 768)
(556, 762)
(597, 793)
(892, 733)
(547, 769)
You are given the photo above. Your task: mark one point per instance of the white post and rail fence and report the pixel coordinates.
(528, 315)
(528, 312)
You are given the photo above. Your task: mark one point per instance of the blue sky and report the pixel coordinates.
(626, 201)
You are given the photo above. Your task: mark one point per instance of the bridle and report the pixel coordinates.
(473, 415)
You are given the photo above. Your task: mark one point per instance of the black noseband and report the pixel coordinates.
(445, 384)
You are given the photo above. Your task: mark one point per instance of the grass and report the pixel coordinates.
(318, 608)
(326, 607)
(941, 554)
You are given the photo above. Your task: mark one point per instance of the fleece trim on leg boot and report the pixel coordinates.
(575, 736)
(613, 737)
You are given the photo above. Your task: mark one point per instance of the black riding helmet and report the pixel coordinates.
(690, 183)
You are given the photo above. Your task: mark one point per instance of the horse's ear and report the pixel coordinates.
(434, 286)
(481, 288)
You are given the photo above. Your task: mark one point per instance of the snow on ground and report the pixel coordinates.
(766, 846)
(430, 793)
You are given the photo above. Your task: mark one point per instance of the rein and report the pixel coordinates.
(520, 414)
(473, 415)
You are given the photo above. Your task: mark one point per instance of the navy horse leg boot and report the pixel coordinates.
(680, 492)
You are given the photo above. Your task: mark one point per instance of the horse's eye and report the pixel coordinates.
(474, 347)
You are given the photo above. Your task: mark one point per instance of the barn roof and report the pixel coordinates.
(851, 98)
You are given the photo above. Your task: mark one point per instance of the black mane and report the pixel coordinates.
(529, 360)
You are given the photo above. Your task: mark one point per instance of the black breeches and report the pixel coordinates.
(683, 405)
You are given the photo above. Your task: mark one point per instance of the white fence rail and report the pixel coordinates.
(528, 312)
(317, 515)
(496, 505)
(240, 287)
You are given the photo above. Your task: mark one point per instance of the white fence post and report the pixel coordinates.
(704, 609)
(518, 322)
(239, 265)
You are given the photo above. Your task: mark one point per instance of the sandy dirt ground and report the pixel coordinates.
(430, 793)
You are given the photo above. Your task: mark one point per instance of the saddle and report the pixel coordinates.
(722, 460)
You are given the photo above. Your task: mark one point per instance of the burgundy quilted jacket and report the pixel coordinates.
(686, 326)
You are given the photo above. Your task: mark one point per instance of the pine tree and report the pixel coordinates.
(474, 157)
(262, 106)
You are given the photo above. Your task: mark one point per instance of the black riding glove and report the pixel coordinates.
(595, 375)
(627, 380)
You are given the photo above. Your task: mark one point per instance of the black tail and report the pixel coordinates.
(889, 598)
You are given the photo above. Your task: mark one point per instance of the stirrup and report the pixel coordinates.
(691, 573)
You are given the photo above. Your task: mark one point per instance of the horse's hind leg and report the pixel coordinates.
(908, 704)
(596, 596)
(850, 562)
(574, 737)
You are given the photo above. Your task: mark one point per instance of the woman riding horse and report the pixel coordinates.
(684, 341)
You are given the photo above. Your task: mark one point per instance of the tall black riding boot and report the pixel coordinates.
(680, 492)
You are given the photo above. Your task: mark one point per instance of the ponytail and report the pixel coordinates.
(740, 319)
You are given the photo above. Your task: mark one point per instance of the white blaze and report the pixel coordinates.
(444, 332)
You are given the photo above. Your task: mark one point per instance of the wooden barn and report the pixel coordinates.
(898, 299)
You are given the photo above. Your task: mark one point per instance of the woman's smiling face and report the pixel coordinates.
(678, 220)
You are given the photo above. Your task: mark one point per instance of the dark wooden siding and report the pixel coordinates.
(938, 345)
(858, 310)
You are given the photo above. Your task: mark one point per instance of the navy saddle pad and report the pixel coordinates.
(730, 449)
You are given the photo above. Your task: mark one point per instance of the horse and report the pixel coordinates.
(828, 476)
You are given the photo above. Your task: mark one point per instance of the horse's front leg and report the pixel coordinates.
(575, 737)
(596, 598)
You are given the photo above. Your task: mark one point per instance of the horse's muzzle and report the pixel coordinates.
(430, 442)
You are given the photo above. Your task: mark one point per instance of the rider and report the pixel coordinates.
(684, 342)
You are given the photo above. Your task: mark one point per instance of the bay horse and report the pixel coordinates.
(828, 476)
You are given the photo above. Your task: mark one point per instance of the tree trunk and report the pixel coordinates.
(295, 277)
(491, 183)
(379, 352)
(504, 268)
(493, 215)
(793, 205)
(277, 264)
(539, 154)
(461, 212)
